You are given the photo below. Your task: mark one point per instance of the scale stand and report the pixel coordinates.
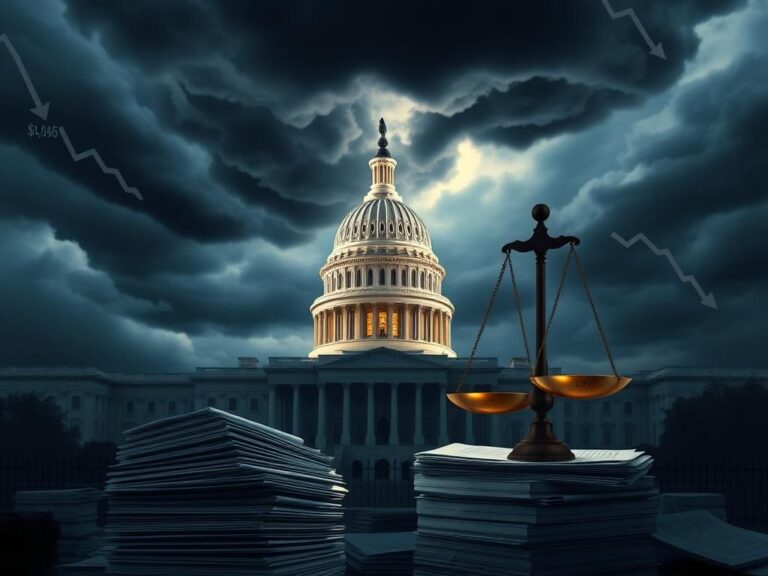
(541, 444)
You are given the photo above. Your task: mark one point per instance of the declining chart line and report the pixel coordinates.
(655, 49)
(706, 299)
(77, 156)
(41, 110)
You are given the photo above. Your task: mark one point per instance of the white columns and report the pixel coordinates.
(296, 415)
(469, 433)
(394, 432)
(418, 432)
(346, 416)
(370, 439)
(405, 322)
(416, 324)
(320, 439)
(358, 322)
(344, 323)
(430, 331)
(271, 408)
(443, 437)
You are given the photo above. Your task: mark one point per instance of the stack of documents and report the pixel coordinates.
(76, 512)
(482, 514)
(380, 554)
(212, 493)
(673, 502)
(380, 519)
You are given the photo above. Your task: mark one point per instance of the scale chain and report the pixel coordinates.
(518, 302)
(482, 326)
(583, 276)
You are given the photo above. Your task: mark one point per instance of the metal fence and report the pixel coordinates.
(744, 483)
(48, 474)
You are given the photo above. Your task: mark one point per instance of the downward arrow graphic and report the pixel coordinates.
(40, 109)
(655, 49)
(706, 299)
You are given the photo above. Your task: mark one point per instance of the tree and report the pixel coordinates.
(34, 427)
(723, 422)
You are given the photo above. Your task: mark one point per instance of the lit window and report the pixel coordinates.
(382, 325)
(395, 324)
(233, 404)
(369, 324)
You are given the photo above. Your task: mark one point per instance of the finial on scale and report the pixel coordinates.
(383, 143)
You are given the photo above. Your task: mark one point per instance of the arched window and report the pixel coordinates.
(381, 470)
(357, 470)
(382, 277)
(370, 277)
(430, 281)
(358, 278)
(333, 284)
(413, 278)
(393, 277)
(421, 284)
(348, 279)
(404, 278)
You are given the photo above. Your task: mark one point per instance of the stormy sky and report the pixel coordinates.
(246, 127)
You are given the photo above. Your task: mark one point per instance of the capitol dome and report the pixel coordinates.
(382, 281)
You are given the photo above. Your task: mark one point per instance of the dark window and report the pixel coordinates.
(406, 471)
(627, 407)
(233, 403)
(381, 470)
(370, 277)
(393, 277)
(568, 408)
(430, 281)
(413, 278)
(212, 402)
(150, 407)
(421, 284)
(382, 277)
(171, 407)
(129, 407)
(254, 404)
(586, 436)
(348, 279)
(606, 408)
(76, 402)
(357, 470)
(75, 426)
(358, 278)
(404, 278)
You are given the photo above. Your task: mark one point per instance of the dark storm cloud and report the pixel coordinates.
(520, 115)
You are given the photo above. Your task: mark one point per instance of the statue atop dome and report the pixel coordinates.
(383, 142)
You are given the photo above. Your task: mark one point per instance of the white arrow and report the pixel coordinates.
(656, 49)
(40, 109)
(706, 299)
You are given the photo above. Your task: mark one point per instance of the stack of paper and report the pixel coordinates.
(673, 502)
(482, 514)
(381, 554)
(212, 493)
(380, 519)
(76, 512)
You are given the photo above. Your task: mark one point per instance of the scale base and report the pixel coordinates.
(541, 445)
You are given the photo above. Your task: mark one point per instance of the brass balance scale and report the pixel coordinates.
(541, 444)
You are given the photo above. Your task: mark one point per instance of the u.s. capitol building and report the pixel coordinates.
(373, 386)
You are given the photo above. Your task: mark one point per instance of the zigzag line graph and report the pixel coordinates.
(655, 49)
(77, 156)
(706, 299)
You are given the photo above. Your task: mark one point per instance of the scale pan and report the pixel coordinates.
(580, 386)
(490, 402)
